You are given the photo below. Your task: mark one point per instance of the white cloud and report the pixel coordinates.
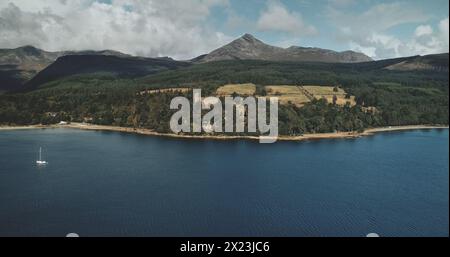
(369, 51)
(423, 30)
(140, 27)
(378, 45)
(443, 30)
(425, 41)
(369, 31)
(428, 41)
(277, 18)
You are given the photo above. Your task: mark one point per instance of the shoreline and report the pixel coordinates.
(148, 132)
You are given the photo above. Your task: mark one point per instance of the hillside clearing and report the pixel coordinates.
(239, 89)
(288, 94)
(328, 93)
(324, 90)
(300, 95)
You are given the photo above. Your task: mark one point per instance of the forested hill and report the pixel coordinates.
(119, 67)
(19, 65)
(348, 75)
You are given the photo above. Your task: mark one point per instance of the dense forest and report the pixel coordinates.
(399, 97)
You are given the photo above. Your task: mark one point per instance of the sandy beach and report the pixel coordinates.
(141, 131)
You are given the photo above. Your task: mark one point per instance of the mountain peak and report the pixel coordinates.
(247, 40)
(29, 50)
(249, 37)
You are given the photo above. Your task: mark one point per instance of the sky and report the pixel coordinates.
(184, 29)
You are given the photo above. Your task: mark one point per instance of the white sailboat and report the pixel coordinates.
(40, 161)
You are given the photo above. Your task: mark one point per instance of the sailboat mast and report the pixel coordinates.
(40, 153)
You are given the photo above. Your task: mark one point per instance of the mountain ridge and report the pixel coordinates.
(117, 66)
(248, 47)
(18, 66)
(21, 64)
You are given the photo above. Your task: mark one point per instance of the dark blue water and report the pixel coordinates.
(113, 184)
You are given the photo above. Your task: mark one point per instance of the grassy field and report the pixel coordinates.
(283, 90)
(324, 91)
(328, 93)
(297, 100)
(288, 94)
(240, 89)
(301, 95)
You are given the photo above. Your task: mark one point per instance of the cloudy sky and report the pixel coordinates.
(187, 28)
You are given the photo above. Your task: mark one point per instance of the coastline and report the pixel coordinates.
(148, 132)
